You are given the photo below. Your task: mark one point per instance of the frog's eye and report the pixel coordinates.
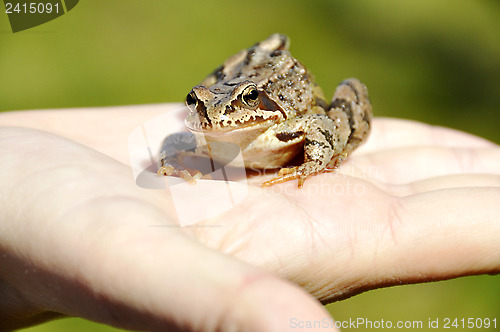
(191, 99)
(250, 96)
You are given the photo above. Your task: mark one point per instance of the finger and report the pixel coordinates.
(442, 182)
(105, 129)
(405, 165)
(440, 235)
(82, 244)
(425, 237)
(390, 133)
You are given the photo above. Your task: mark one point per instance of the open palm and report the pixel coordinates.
(79, 237)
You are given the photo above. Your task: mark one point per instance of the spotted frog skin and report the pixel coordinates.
(266, 102)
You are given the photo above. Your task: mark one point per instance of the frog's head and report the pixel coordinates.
(231, 105)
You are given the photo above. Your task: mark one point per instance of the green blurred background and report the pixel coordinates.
(431, 61)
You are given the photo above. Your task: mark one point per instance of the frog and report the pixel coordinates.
(267, 103)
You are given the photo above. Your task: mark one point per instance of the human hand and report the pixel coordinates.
(77, 240)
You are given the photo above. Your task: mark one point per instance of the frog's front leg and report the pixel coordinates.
(174, 148)
(324, 139)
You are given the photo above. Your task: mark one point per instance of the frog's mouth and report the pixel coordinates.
(229, 124)
(241, 136)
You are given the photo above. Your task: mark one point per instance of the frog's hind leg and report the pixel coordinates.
(351, 101)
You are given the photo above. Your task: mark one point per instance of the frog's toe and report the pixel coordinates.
(287, 174)
(336, 162)
(287, 170)
(184, 174)
(191, 179)
(165, 170)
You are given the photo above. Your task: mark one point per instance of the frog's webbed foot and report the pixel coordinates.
(184, 174)
(336, 162)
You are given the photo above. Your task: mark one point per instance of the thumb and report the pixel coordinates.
(192, 288)
(213, 292)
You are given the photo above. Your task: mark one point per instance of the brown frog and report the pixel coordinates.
(266, 102)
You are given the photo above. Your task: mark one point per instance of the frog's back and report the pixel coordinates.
(273, 69)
